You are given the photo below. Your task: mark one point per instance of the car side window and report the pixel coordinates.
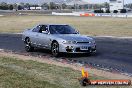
(36, 29)
(43, 28)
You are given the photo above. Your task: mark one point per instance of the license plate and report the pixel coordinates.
(84, 48)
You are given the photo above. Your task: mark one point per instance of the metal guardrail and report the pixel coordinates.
(126, 15)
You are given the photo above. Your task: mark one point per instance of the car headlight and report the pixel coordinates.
(69, 42)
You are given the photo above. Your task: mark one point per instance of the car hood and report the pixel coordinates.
(74, 37)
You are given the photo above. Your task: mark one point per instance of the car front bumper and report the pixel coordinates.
(77, 48)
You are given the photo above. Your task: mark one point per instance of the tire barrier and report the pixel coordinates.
(88, 14)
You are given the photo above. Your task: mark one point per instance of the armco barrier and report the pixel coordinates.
(124, 15)
(65, 14)
(1, 15)
(74, 14)
(103, 15)
(129, 15)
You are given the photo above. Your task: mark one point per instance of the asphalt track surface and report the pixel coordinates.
(114, 54)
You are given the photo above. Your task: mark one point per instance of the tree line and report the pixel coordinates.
(52, 5)
(22, 6)
(129, 5)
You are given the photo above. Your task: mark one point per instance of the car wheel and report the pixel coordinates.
(28, 46)
(55, 49)
(27, 41)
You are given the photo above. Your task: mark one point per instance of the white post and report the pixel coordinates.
(123, 4)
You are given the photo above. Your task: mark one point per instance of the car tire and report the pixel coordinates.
(28, 46)
(55, 49)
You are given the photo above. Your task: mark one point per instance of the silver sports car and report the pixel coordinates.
(58, 39)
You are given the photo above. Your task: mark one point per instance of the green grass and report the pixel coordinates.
(16, 73)
(95, 26)
(30, 74)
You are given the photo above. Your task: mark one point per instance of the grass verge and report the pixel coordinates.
(94, 26)
(30, 74)
(16, 73)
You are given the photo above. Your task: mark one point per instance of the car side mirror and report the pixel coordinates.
(78, 32)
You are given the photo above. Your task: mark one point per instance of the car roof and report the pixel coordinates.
(53, 24)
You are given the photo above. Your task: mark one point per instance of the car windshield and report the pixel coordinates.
(62, 29)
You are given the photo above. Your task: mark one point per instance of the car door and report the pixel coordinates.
(35, 35)
(44, 37)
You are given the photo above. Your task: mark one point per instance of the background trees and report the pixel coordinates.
(4, 6)
(61, 6)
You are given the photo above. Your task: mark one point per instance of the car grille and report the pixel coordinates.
(82, 42)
